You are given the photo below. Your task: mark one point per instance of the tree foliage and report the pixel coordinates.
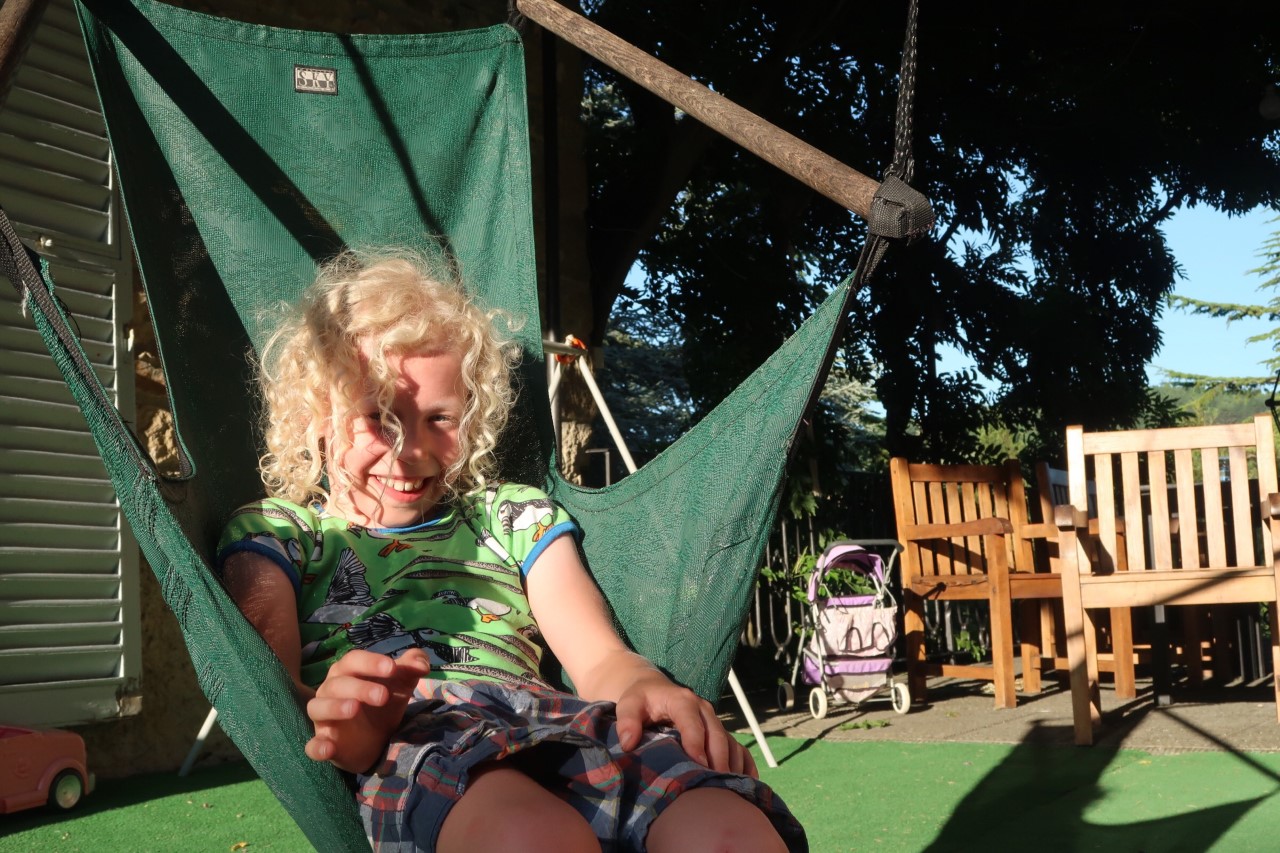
(1052, 145)
(1219, 405)
(647, 392)
(1209, 387)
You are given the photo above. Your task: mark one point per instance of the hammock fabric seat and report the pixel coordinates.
(247, 154)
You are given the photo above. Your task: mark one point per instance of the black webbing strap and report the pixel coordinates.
(22, 266)
(898, 212)
(515, 19)
(903, 166)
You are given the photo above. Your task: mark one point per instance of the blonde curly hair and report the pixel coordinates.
(390, 302)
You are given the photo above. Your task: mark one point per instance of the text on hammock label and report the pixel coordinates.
(316, 81)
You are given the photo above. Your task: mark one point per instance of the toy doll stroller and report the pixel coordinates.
(851, 638)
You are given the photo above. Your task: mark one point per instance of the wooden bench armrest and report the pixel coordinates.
(1039, 530)
(1049, 530)
(977, 527)
(1066, 515)
(1273, 505)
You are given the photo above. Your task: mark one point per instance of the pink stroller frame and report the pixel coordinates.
(850, 649)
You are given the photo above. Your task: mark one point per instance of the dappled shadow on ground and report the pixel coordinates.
(1042, 795)
(1126, 793)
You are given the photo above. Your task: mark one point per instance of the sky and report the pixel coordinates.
(1216, 252)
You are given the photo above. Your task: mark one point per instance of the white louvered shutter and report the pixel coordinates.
(69, 632)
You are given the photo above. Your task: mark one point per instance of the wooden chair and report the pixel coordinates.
(1053, 490)
(1220, 550)
(960, 526)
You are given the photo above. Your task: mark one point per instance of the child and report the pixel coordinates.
(399, 583)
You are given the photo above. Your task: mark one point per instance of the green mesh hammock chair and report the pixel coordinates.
(246, 155)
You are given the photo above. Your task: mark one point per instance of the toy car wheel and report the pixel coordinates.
(901, 698)
(786, 697)
(66, 790)
(818, 703)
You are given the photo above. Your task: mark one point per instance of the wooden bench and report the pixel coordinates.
(1182, 543)
(1121, 658)
(964, 532)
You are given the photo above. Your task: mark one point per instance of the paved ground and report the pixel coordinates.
(1235, 718)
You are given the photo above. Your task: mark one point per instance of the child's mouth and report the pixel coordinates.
(404, 490)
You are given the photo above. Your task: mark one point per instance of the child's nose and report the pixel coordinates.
(417, 444)
(414, 447)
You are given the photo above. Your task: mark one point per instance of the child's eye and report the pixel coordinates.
(381, 424)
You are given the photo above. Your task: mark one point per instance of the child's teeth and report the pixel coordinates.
(405, 485)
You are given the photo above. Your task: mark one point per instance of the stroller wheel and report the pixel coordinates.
(818, 703)
(786, 697)
(901, 698)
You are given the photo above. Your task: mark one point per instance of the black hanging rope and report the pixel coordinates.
(515, 18)
(903, 165)
(898, 212)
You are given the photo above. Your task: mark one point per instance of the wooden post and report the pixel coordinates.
(819, 171)
(18, 22)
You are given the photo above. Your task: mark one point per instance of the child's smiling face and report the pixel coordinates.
(386, 489)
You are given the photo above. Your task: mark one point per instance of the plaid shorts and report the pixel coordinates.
(458, 725)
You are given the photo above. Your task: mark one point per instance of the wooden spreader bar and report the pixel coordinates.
(821, 172)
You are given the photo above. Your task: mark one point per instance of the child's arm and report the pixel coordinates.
(265, 596)
(574, 619)
(363, 697)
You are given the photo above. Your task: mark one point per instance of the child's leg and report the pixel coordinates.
(504, 810)
(712, 819)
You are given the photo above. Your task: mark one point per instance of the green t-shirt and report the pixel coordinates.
(453, 586)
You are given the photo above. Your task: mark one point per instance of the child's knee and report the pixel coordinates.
(504, 810)
(713, 819)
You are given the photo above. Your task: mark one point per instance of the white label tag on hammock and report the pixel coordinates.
(316, 81)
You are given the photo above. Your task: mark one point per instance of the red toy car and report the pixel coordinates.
(39, 766)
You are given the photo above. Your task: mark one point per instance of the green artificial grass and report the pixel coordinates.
(886, 796)
(224, 808)
(850, 795)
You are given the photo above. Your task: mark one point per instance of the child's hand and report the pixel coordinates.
(360, 704)
(576, 624)
(654, 699)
